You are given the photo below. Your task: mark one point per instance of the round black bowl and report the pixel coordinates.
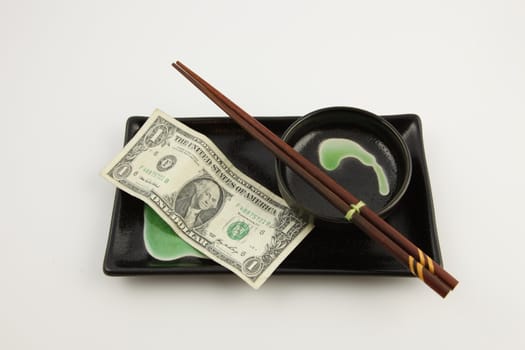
(360, 150)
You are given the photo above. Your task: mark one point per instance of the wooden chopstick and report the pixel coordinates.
(323, 183)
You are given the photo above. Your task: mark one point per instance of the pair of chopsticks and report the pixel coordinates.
(354, 210)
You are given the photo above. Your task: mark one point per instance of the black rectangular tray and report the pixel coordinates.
(328, 249)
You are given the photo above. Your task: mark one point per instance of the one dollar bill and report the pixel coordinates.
(209, 203)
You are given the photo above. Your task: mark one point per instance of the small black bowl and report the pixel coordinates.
(360, 150)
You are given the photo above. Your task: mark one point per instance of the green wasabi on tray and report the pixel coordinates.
(162, 242)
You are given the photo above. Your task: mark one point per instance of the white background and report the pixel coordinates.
(72, 72)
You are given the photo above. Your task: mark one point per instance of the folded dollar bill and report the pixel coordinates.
(210, 204)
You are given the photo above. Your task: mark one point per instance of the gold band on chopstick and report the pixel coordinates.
(421, 257)
(426, 260)
(430, 264)
(419, 267)
(420, 271)
(354, 208)
(411, 264)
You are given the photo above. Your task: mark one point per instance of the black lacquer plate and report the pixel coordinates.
(329, 249)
